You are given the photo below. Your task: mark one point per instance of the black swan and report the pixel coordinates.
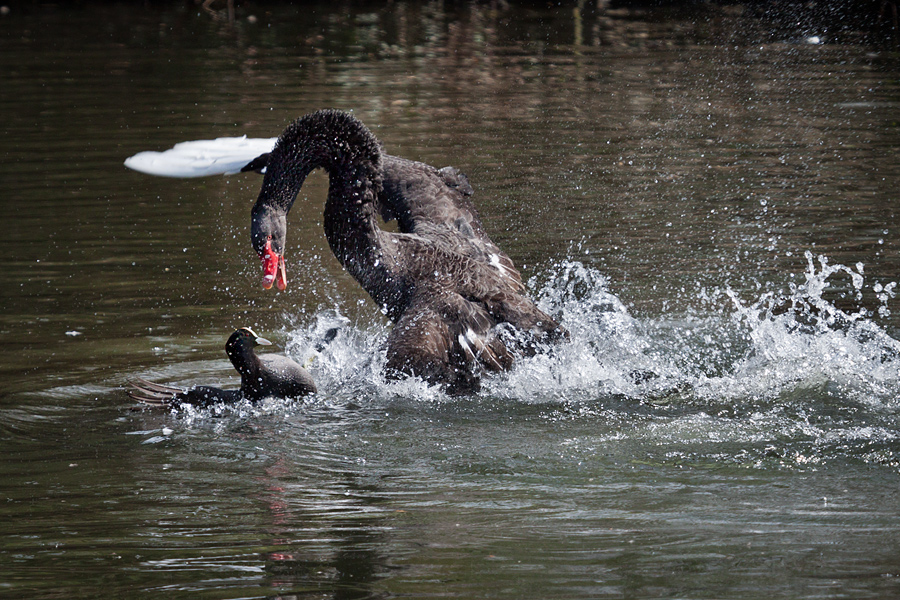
(441, 280)
(457, 301)
(269, 375)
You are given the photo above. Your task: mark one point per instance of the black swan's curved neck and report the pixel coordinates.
(339, 143)
(329, 139)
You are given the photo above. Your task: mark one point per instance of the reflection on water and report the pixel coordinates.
(706, 201)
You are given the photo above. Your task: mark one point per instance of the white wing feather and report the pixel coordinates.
(221, 156)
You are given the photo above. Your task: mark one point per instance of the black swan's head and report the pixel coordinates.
(330, 139)
(268, 229)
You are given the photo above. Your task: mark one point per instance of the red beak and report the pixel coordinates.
(273, 268)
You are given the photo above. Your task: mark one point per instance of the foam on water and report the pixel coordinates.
(790, 377)
(756, 350)
(802, 340)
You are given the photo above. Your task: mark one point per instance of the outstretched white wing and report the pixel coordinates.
(221, 156)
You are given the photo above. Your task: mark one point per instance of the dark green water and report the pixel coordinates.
(697, 195)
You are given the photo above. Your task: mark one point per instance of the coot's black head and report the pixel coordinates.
(243, 339)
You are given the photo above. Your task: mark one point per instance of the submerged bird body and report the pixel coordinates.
(156, 394)
(441, 279)
(263, 376)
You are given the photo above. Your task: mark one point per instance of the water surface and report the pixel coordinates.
(709, 204)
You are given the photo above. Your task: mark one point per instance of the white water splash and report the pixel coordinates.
(802, 340)
(758, 351)
(788, 379)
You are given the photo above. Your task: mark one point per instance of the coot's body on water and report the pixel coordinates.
(269, 375)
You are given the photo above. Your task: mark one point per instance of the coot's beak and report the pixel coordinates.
(263, 341)
(273, 268)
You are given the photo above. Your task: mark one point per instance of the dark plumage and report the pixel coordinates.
(261, 377)
(441, 279)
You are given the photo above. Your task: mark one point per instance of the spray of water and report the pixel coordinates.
(758, 349)
(790, 378)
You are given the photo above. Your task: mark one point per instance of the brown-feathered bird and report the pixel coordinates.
(451, 292)
(441, 279)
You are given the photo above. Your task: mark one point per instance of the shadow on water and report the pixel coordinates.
(705, 196)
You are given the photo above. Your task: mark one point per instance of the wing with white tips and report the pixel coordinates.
(221, 156)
